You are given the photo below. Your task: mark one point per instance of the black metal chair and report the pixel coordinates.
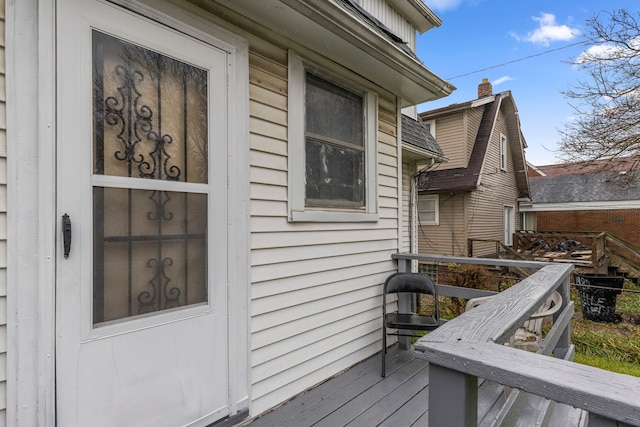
(413, 283)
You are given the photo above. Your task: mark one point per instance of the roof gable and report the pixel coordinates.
(465, 179)
(468, 178)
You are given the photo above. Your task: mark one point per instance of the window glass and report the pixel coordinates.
(428, 210)
(334, 146)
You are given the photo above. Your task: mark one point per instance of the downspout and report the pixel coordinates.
(413, 198)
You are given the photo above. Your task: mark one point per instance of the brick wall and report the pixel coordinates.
(622, 223)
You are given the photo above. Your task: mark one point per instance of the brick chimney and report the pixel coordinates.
(485, 88)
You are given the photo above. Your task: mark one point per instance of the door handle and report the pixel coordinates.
(66, 234)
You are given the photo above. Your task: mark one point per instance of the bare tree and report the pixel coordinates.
(607, 101)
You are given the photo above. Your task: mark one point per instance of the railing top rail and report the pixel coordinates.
(502, 315)
(608, 394)
(471, 342)
(467, 260)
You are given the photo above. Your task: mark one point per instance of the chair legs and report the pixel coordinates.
(384, 349)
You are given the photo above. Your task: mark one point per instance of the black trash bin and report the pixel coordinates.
(599, 302)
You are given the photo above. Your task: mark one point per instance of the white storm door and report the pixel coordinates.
(141, 295)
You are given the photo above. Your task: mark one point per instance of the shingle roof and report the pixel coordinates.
(465, 179)
(619, 164)
(416, 133)
(585, 187)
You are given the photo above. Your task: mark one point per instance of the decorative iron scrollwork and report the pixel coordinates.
(161, 296)
(136, 120)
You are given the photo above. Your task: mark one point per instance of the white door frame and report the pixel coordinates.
(31, 194)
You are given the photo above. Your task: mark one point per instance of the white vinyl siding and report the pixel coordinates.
(3, 222)
(382, 11)
(315, 293)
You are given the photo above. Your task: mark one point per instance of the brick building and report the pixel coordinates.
(586, 198)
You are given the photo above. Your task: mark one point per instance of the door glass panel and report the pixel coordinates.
(150, 113)
(150, 252)
(150, 121)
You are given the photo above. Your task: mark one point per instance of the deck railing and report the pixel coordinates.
(470, 347)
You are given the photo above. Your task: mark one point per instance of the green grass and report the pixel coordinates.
(609, 365)
(629, 302)
(613, 347)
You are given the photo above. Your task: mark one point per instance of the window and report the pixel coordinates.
(503, 152)
(430, 270)
(332, 147)
(431, 125)
(509, 225)
(527, 221)
(428, 212)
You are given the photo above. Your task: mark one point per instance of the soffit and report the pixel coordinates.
(330, 29)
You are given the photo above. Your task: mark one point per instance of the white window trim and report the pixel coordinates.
(432, 126)
(503, 152)
(435, 197)
(296, 151)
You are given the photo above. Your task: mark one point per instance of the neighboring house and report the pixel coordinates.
(475, 194)
(586, 197)
(199, 200)
(419, 150)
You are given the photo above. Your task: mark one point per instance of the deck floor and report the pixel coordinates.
(361, 397)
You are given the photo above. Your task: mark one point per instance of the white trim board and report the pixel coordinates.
(580, 206)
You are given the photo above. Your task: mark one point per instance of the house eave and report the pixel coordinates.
(580, 206)
(411, 153)
(334, 32)
(417, 13)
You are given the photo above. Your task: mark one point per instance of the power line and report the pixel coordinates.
(520, 59)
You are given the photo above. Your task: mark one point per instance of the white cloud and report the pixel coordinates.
(548, 31)
(442, 5)
(501, 80)
(609, 51)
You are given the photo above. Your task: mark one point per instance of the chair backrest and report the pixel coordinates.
(415, 283)
(410, 282)
(551, 305)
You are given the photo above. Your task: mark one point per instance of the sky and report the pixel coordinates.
(481, 34)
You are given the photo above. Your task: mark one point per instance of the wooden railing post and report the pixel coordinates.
(453, 398)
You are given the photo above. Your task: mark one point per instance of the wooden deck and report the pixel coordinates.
(361, 397)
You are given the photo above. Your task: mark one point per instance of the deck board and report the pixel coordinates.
(361, 397)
